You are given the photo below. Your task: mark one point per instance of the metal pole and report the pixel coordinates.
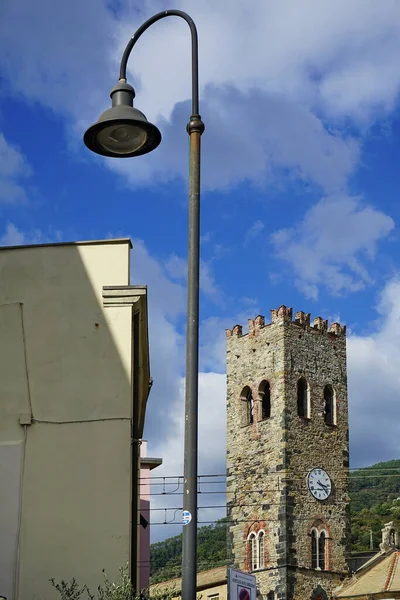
(195, 128)
(189, 536)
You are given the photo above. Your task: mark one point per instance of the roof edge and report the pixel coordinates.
(150, 462)
(80, 243)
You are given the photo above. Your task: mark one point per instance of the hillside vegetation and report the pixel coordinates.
(375, 500)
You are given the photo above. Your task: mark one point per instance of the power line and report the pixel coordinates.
(346, 469)
(269, 520)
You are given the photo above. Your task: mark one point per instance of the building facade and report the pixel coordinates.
(147, 464)
(74, 381)
(288, 454)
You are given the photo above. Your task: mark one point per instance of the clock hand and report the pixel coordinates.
(322, 485)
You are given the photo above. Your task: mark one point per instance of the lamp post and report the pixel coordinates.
(122, 132)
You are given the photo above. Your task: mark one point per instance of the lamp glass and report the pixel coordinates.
(122, 138)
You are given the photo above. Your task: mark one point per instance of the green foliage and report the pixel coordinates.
(70, 590)
(374, 493)
(373, 490)
(108, 591)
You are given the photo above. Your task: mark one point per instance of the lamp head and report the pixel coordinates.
(122, 131)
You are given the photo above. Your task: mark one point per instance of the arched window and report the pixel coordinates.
(247, 410)
(271, 595)
(318, 549)
(329, 405)
(302, 398)
(256, 550)
(264, 393)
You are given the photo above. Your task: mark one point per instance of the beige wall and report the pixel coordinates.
(67, 360)
(211, 593)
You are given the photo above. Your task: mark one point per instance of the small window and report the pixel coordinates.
(271, 595)
(247, 410)
(264, 393)
(213, 597)
(329, 405)
(302, 398)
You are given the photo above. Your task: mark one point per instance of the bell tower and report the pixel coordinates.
(288, 454)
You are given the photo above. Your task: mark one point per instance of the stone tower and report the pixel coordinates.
(288, 454)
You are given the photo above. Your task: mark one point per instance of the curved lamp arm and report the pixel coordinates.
(195, 67)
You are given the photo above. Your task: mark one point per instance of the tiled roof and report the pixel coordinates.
(378, 578)
(208, 578)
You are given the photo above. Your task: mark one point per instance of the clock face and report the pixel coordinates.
(319, 484)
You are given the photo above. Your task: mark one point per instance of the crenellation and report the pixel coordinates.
(259, 321)
(337, 329)
(237, 330)
(251, 326)
(321, 324)
(283, 314)
(303, 318)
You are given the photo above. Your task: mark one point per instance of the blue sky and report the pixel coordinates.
(300, 179)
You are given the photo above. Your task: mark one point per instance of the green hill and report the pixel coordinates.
(375, 500)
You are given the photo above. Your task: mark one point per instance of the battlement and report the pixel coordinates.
(285, 314)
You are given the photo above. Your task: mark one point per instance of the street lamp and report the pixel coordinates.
(122, 131)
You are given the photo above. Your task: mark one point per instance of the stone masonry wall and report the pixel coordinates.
(254, 452)
(268, 460)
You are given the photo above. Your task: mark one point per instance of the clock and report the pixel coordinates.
(319, 484)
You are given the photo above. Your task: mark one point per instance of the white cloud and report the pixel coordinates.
(334, 244)
(296, 49)
(282, 68)
(59, 54)
(374, 384)
(292, 142)
(176, 267)
(12, 236)
(13, 168)
(15, 236)
(253, 232)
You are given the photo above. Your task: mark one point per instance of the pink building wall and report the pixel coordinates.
(146, 466)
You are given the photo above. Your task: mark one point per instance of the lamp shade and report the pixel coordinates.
(122, 131)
